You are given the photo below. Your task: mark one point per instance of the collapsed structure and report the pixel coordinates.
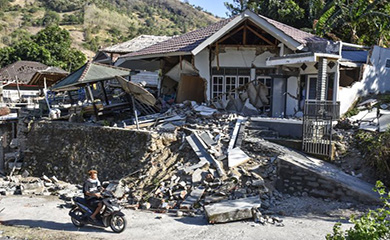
(199, 150)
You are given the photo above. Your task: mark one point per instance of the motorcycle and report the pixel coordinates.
(110, 215)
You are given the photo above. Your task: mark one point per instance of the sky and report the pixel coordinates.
(216, 7)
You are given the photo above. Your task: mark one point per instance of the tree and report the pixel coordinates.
(293, 12)
(50, 18)
(51, 46)
(4, 4)
(349, 20)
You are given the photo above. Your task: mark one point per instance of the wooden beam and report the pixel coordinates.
(244, 34)
(93, 101)
(217, 55)
(70, 97)
(260, 36)
(181, 62)
(105, 93)
(231, 34)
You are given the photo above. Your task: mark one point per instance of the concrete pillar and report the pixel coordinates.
(336, 83)
(321, 79)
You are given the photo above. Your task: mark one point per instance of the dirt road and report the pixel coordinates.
(45, 214)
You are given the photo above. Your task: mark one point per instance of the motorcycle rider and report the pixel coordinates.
(91, 189)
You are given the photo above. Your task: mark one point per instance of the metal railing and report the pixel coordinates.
(322, 109)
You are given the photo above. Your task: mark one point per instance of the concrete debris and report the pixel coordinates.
(368, 103)
(237, 157)
(194, 197)
(372, 118)
(233, 210)
(37, 186)
(200, 149)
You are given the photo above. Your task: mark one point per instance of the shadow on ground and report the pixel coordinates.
(53, 225)
(199, 221)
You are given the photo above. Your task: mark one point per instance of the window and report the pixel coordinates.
(388, 63)
(231, 83)
(217, 86)
(225, 80)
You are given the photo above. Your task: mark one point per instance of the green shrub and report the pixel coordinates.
(352, 112)
(376, 149)
(371, 226)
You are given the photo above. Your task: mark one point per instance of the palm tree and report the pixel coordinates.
(349, 15)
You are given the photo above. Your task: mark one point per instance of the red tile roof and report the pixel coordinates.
(183, 43)
(189, 41)
(296, 34)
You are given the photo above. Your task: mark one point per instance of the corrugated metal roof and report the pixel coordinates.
(135, 44)
(89, 73)
(354, 56)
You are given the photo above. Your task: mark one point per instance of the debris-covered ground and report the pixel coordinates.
(217, 172)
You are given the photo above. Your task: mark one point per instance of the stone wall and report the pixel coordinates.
(69, 150)
(297, 179)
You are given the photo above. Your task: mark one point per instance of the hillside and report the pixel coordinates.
(99, 23)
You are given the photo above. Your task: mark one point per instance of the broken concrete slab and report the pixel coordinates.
(233, 210)
(237, 157)
(368, 103)
(193, 198)
(190, 169)
(207, 138)
(384, 123)
(199, 148)
(166, 127)
(205, 111)
(197, 176)
(369, 126)
(358, 116)
(236, 130)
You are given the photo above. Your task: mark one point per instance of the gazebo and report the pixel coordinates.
(87, 75)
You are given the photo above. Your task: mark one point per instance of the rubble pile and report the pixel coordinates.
(200, 175)
(373, 115)
(26, 185)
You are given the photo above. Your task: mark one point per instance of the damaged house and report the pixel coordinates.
(254, 65)
(22, 80)
(251, 63)
(141, 73)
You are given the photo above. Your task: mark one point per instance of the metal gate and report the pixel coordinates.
(317, 126)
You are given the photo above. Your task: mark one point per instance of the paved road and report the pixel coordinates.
(45, 213)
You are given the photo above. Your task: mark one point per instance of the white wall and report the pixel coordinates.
(202, 65)
(312, 70)
(376, 79)
(231, 57)
(376, 76)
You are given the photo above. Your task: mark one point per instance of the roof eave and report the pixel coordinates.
(299, 58)
(272, 30)
(237, 20)
(140, 57)
(275, 32)
(80, 84)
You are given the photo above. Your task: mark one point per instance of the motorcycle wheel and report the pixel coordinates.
(118, 223)
(75, 222)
